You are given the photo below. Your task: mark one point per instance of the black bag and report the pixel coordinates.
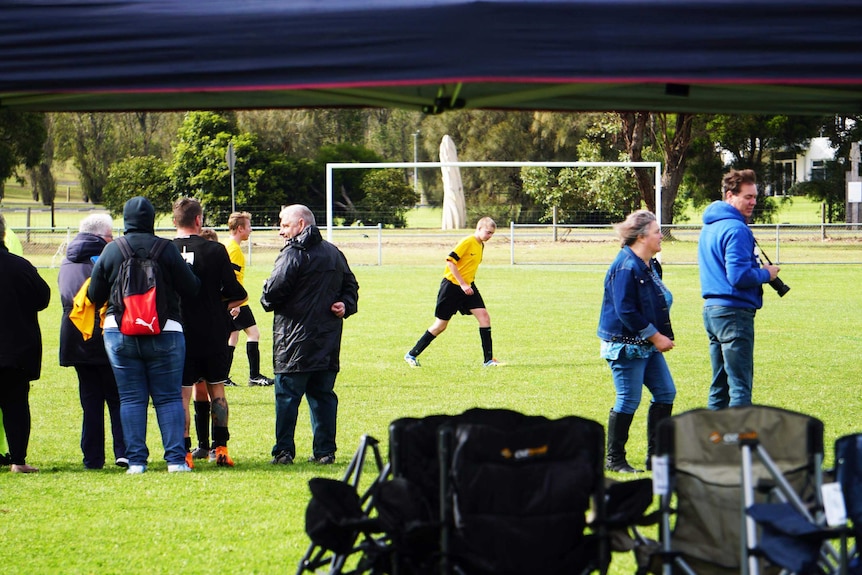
(138, 304)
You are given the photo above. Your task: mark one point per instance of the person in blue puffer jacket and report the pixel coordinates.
(731, 283)
(635, 331)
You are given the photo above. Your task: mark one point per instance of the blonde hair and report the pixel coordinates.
(486, 223)
(634, 226)
(235, 220)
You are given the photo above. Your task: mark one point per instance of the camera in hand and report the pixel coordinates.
(779, 286)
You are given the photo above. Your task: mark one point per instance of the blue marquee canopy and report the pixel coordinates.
(746, 56)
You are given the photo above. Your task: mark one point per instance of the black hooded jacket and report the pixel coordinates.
(81, 254)
(139, 219)
(24, 293)
(310, 275)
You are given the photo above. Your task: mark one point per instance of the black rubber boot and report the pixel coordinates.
(618, 436)
(657, 413)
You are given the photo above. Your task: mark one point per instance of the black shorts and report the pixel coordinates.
(244, 320)
(451, 299)
(213, 368)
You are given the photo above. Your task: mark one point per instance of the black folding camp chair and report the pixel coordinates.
(722, 467)
(345, 537)
(488, 491)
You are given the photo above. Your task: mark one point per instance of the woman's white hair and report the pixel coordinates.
(97, 224)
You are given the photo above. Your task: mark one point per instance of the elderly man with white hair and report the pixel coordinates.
(96, 384)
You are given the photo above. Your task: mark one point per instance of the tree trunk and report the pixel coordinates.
(634, 132)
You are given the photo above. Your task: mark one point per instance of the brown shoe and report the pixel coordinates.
(23, 468)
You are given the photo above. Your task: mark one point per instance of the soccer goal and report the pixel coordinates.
(330, 168)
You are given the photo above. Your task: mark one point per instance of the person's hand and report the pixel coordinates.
(662, 342)
(337, 308)
(773, 271)
(234, 311)
(467, 289)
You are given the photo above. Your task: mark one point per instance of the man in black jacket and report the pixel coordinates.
(207, 328)
(311, 290)
(96, 384)
(24, 293)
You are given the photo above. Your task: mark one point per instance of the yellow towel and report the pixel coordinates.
(83, 314)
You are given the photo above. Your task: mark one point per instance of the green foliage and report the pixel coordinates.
(583, 195)
(387, 198)
(138, 176)
(22, 135)
(830, 191)
(347, 188)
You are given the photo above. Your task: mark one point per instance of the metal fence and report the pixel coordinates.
(528, 244)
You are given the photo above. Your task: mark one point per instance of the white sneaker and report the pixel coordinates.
(411, 361)
(122, 462)
(492, 362)
(136, 469)
(178, 468)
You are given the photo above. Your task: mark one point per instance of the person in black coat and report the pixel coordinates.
(311, 291)
(96, 384)
(24, 293)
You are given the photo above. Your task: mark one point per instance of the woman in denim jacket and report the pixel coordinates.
(635, 330)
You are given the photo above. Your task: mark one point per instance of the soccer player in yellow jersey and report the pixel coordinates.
(239, 226)
(458, 293)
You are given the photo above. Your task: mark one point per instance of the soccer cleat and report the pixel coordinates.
(230, 383)
(190, 460)
(222, 457)
(122, 462)
(492, 362)
(323, 460)
(211, 455)
(178, 468)
(411, 361)
(260, 381)
(282, 458)
(200, 452)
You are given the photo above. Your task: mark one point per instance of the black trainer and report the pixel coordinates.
(282, 458)
(323, 460)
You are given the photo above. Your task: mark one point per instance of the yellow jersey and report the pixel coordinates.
(466, 256)
(237, 259)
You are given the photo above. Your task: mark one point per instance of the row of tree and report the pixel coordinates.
(281, 154)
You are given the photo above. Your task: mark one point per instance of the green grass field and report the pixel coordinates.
(250, 519)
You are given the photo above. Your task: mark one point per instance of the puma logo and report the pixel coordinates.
(149, 326)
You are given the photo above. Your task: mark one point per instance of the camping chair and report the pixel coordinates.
(515, 491)
(706, 459)
(338, 520)
(848, 474)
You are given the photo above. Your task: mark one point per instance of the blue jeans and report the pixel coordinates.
(731, 352)
(317, 386)
(145, 367)
(632, 374)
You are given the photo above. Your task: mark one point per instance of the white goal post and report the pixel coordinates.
(656, 166)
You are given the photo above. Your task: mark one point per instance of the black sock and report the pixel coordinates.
(188, 442)
(230, 350)
(252, 349)
(220, 436)
(202, 423)
(487, 346)
(423, 342)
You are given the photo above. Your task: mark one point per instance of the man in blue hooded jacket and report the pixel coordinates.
(731, 282)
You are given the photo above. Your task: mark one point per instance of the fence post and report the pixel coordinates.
(27, 235)
(778, 244)
(554, 225)
(512, 242)
(822, 221)
(379, 244)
